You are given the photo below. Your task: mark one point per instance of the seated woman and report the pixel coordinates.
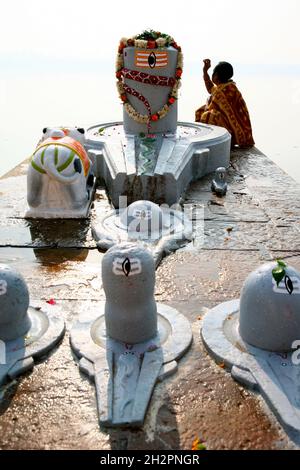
(226, 106)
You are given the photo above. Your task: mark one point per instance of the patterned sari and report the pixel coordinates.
(227, 108)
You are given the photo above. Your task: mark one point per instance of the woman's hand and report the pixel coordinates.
(207, 64)
(208, 83)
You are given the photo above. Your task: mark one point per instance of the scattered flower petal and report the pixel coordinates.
(198, 445)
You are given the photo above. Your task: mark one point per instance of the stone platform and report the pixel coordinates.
(54, 407)
(158, 167)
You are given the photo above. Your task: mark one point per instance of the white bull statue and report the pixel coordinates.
(59, 179)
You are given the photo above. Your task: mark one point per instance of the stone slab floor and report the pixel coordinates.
(54, 406)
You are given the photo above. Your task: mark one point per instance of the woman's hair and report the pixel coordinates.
(224, 70)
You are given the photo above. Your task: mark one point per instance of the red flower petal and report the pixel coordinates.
(151, 44)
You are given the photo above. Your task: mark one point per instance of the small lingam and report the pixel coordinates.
(128, 274)
(257, 338)
(219, 184)
(270, 311)
(161, 229)
(25, 332)
(14, 301)
(129, 341)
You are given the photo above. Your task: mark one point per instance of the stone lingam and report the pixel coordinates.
(257, 338)
(161, 229)
(60, 181)
(25, 332)
(219, 185)
(150, 155)
(129, 342)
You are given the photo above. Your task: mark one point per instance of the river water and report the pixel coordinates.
(30, 101)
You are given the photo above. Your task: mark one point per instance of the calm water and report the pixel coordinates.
(33, 99)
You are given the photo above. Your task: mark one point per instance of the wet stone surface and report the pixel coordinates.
(54, 406)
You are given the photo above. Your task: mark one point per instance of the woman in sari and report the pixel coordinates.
(226, 106)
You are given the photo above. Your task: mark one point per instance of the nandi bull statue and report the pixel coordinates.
(129, 342)
(59, 180)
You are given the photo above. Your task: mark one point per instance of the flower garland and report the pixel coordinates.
(148, 40)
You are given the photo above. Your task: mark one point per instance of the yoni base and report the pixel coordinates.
(155, 167)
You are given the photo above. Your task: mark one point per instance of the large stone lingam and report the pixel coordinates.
(257, 338)
(150, 155)
(129, 342)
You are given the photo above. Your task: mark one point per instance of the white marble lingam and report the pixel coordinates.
(129, 341)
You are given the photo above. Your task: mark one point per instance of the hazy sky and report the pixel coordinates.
(250, 32)
(57, 62)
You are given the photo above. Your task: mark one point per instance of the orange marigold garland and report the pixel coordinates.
(148, 40)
